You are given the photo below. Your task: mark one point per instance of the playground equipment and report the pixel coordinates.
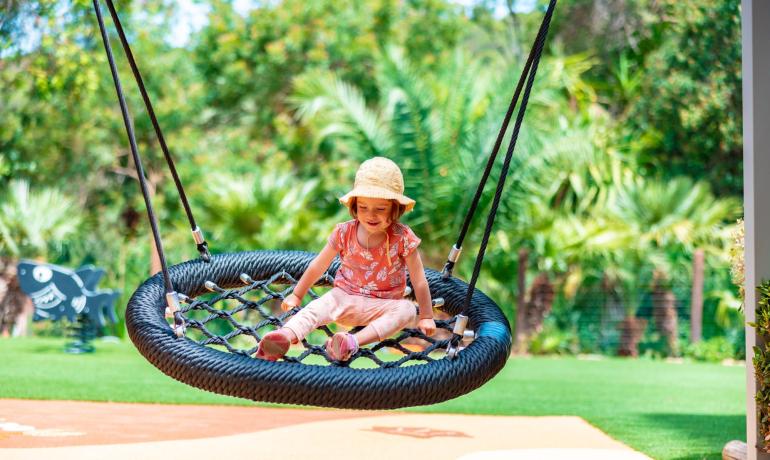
(59, 293)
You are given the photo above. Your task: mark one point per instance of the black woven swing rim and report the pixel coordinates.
(304, 384)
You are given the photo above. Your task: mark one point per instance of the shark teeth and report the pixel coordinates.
(48, 297)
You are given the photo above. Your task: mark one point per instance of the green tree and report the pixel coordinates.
(432, 127)
(34, 225)
(687, 118)
(269, 209)
(60, 125)
(249, 62)
(667, 220)
(440, 127)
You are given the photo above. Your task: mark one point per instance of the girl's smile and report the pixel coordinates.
(374, 214)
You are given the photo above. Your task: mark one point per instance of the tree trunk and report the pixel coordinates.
(664, 313)
(520, 330)
(12, 300)
(696, 300)
(631, 332)
(155, 265)
(5, 315)
(613, 313)
(540, 302)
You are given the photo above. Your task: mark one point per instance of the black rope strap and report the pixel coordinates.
(233, 372)
(200, 241)
(509, 153)
(134, 149)
(530, 67)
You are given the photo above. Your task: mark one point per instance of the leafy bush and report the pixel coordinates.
(714, 349)
(552, 340)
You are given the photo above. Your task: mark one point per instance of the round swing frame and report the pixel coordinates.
(306, 384)
(237, 374)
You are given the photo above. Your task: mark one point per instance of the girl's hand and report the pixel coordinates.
(291, 301)
(427, 326)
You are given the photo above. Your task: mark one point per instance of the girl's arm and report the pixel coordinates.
(421, 292)
(314, 271)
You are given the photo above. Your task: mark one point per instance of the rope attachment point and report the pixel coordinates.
(173, 307)
(203, 247)
(451, 260)
(460, 337)
(437, 302)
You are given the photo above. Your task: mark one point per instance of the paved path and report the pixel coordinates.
(116, 431)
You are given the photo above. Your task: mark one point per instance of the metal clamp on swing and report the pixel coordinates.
(436, 302)
(173, 309)
(212, 287)
(459, 335)
(451, 260)
(203, 247)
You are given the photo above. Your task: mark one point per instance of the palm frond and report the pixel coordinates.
(34, 222)
(322, 99)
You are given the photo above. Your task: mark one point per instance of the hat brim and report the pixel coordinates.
(377, 192)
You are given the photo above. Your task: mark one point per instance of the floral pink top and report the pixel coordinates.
(373, 272)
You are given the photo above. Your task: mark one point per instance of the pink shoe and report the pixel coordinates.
(341, 346)
(273, 346)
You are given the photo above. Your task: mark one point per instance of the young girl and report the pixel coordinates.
(376, 251)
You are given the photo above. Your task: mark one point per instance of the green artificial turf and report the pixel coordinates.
(666, 410)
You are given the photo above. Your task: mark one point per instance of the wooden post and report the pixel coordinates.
(696, 299)
(755, 16)
(520, 331)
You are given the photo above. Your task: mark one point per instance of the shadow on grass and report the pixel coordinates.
(702, 429)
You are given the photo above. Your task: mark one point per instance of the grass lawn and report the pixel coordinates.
(668, 411)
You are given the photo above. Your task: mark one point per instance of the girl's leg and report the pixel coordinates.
(275, 344)
(385, 317)
(315, 314)
(397, 314)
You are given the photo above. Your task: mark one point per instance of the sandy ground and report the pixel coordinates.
(116, 431)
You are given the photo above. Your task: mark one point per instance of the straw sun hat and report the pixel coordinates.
(379, 177)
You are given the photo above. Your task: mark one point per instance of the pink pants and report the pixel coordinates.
(385, 316)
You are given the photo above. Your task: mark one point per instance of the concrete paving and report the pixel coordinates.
(83, 431)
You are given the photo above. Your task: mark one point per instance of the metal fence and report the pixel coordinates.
(592, 321)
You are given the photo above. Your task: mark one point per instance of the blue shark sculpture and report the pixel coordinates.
(58, 292)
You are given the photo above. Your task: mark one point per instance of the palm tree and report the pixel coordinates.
(668, 220)
(555, 192)
(432, 129)
(441, 127)
(266, 209)
(32, 224)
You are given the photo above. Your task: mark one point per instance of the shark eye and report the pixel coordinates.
(42, 274)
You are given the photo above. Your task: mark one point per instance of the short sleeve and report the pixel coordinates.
(409, 242)
(337, 237)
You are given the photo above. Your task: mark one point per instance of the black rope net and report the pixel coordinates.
(236, 319)
(225, 309)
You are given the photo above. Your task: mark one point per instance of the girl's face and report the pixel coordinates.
(373, 213)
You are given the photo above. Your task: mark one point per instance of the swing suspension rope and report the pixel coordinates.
(529, 71)
(223, 274)
(534, 57)
(198, 237)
